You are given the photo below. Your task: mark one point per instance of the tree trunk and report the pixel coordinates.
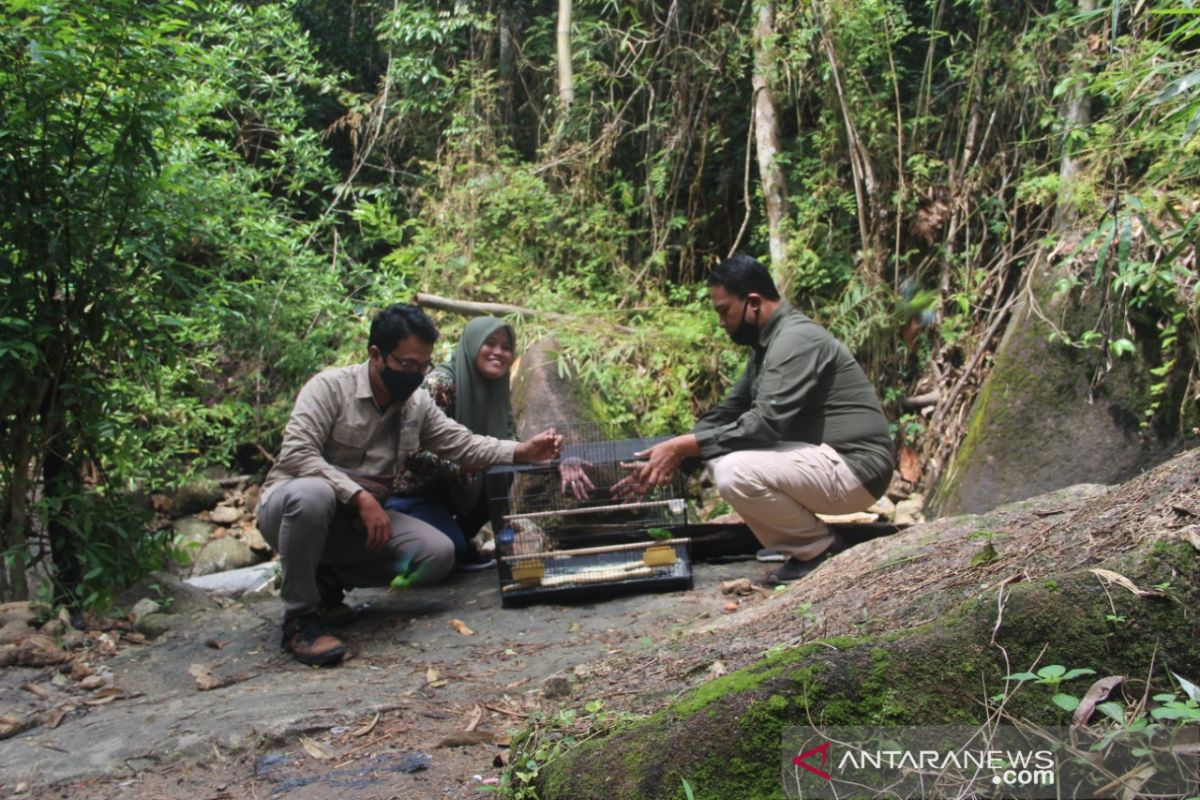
(1039, 421)
(766, 130)
(13, 584)
(566, 78)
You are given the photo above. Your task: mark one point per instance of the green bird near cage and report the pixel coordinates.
(405, 577)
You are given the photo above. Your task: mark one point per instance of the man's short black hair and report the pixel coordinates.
(397, 322)
(741, 275)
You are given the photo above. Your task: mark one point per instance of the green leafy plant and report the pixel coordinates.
(987, 554)
(546, 738)
(1052, 675)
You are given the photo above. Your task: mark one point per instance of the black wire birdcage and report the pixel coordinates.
(558, 540)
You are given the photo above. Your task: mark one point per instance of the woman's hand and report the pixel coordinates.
(575, 480)
(546, 446)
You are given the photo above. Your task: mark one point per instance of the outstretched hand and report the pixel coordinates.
(575, 480)
(545, 446)
(659, 465)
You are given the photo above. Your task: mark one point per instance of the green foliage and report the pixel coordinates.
(202, 205)
(155, 162)
(548, 737)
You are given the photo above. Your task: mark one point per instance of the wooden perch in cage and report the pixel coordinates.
(474, 308)
(587, 551)
(676, 506)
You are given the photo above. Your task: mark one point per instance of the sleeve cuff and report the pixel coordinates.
(707, 439)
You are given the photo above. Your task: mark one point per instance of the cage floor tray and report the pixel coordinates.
(595, 573)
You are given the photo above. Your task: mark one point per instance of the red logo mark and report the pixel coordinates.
(802, 760)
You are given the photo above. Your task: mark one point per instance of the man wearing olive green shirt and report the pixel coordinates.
(801, 433)
(325, 505)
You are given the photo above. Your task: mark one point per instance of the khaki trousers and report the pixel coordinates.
(302, 521)
(779, 491)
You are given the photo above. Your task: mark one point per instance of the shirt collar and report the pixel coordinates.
(362, 382)
(768, 330)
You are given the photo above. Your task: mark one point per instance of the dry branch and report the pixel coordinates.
(471, 308)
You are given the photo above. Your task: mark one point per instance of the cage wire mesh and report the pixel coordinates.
(553, 542)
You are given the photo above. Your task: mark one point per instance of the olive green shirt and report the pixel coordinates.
(802, 385)
(336, 427)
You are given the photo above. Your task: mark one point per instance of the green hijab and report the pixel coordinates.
(482, 405)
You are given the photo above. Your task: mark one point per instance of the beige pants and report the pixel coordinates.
(778, 492)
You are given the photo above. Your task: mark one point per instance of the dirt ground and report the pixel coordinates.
(421, 710)
(424, 709)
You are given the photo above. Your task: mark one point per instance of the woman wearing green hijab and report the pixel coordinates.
(471, 388)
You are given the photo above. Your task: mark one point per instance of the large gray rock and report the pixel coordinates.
(234, 582)
(197, 495)
(159, 586)
(223, 554)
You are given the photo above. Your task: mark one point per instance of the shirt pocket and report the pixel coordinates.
(348, 442)
(410, 436)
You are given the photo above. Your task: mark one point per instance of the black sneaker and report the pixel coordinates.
(794, 569)
(306, 638)
(474, 561)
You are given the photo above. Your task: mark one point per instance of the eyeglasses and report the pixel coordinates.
(408, 365)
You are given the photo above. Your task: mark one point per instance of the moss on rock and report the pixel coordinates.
(725, 737)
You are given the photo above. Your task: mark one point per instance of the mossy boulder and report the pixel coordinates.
(1041, 421)
(918, 628)
(725, 737)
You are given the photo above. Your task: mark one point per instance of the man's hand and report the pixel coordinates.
(546, 446)
(376, 521)
(575, 480)
(660, 464)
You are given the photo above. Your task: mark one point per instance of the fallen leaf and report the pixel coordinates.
(717, 669)
(91, 682)
(102, 699)
(466, 738)
(740, 586)
(1192, 534)
(573, 627)
(34, 689)
(502, 740)
(476, 717)
(315, 749)
(11, 725)
(730, 607)
(205, 679)
(910, 464)
(461, 627)
(367, 728)
(1099, 691)
(56, 715)
(1120, 580)
(431, 675)
(133, 637)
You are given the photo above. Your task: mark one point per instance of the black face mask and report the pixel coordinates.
(746, 334)
(400, 385)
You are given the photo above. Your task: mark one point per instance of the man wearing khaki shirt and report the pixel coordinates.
(349, 432)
